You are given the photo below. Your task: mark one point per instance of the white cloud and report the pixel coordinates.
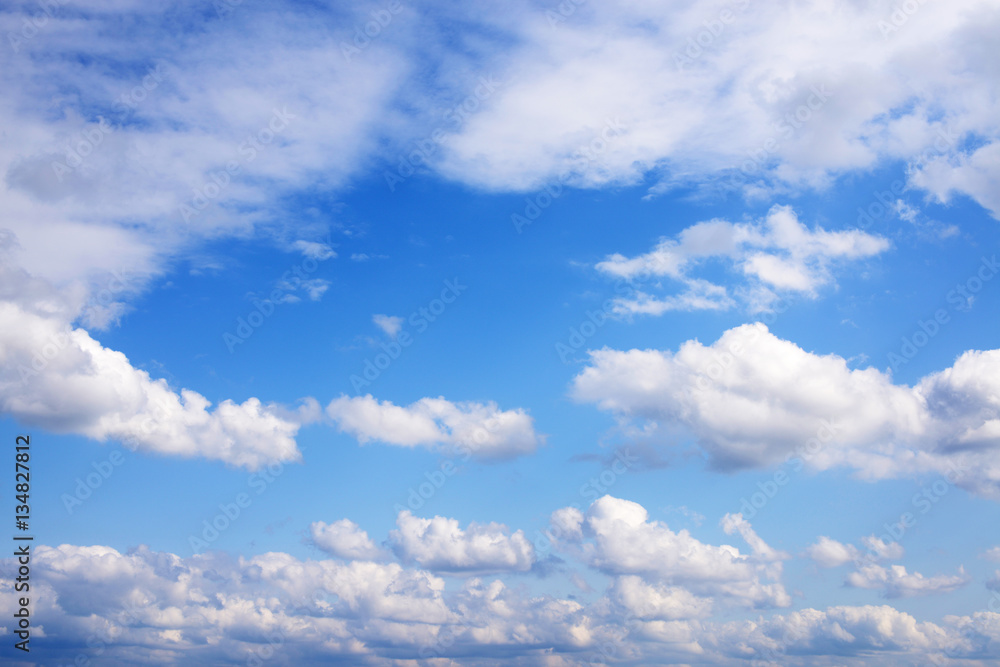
(58, 377)
(831, 553)
(210, 607)
(109, 218)
(841, 631)
(390, 324)
(199, 100)
(622, 541)
(993, 554)
(477, 429)
(879, 548)
(895, 581)
(735, 523)
(752, 399)
(657, 601)
(725, 110)
(314, 249)
(827, 552)
(975, 174)
(779, 254)
(315, 288)
(440, 545)
(344, 539)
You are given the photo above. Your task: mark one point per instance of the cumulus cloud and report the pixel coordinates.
(827, 552)
(210, 607)
(621, 540)
(344, 539)
(879, 548)
(474, 429)
(440, 545)
(895, 581)
(752, 399)
(657, 601)
(777, 255)
(842, 631)
(104, 189)
(56, 376)
(831, 553)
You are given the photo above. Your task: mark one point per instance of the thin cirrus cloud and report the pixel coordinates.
(481, 430)
(777, 255)
(752, 400)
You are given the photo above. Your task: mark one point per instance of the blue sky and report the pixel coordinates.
(504, 334)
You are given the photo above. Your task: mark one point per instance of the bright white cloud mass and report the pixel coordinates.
(211, 606)
(469, 429)
(231, 240)
(752, 399)
(778, 256)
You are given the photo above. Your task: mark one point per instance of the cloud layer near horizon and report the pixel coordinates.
(660, 587)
